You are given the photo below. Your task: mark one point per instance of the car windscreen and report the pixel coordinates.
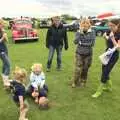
(22, 22)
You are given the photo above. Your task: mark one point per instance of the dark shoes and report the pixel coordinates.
(59, 69)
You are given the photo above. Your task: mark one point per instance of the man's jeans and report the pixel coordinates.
(51, 54)
(6, 63)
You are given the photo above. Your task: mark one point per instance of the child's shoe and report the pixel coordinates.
(109, 85)
(73, 85)
(48, 70)
(105, 87)
(26, 119)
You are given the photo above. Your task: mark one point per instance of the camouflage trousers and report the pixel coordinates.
(82, 64)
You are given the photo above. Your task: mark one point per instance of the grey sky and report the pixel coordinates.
(41, 8)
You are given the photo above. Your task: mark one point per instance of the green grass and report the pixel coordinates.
(67, 103)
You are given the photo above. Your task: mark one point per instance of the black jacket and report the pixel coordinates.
(56, 37)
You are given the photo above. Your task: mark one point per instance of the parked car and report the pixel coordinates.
(44, 23)
(73, 26)
(100, 28)
(22, 30)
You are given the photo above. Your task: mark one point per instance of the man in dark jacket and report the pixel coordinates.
(56, 38)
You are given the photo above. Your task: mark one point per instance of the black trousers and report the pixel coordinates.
(106, 69)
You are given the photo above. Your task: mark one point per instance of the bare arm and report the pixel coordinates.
(21, 101)
(4, 37)
(113, 39)
(105, 36)
(118, 43)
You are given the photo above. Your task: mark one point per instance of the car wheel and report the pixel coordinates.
(36, 40)
(67, 29)
(99, 33)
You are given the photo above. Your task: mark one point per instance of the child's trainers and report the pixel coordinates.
(48, 70)
(73, 85)
(99, 91)
(109, 85)
(26, 119)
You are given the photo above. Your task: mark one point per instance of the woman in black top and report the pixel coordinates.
(112, 40)
(4, 53)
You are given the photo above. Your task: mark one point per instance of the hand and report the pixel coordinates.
(117, 46)
(47, 46)
(80, 43)
(105, 36)
(66, 47)
(111, 35)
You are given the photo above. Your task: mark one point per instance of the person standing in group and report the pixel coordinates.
(55, 39)
(112, 40)
(4, 53)
(85, 39)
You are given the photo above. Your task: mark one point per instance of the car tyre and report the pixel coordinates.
(99, 33)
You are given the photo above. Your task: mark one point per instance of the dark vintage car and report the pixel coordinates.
(44, 23)
(22, 30)
(100, 28)
(73, 26)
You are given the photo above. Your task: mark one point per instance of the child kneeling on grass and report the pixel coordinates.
(37, 88)
(18, 90)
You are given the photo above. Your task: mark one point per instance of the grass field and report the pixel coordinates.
(67, 103)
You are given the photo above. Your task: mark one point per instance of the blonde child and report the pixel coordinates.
(84, 39)
(38, 89)
(18, 90)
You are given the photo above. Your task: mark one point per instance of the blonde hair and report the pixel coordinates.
(83, 21)
(35, 66)
(2, 22)
(20, 74)
(56, 17)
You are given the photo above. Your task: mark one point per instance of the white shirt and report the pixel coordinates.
(37, 80)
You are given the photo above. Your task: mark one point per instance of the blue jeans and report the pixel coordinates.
(6, 63)
(51, 54)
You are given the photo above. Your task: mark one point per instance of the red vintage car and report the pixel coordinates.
(22, 30)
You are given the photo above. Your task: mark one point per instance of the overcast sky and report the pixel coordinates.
(43, 8)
